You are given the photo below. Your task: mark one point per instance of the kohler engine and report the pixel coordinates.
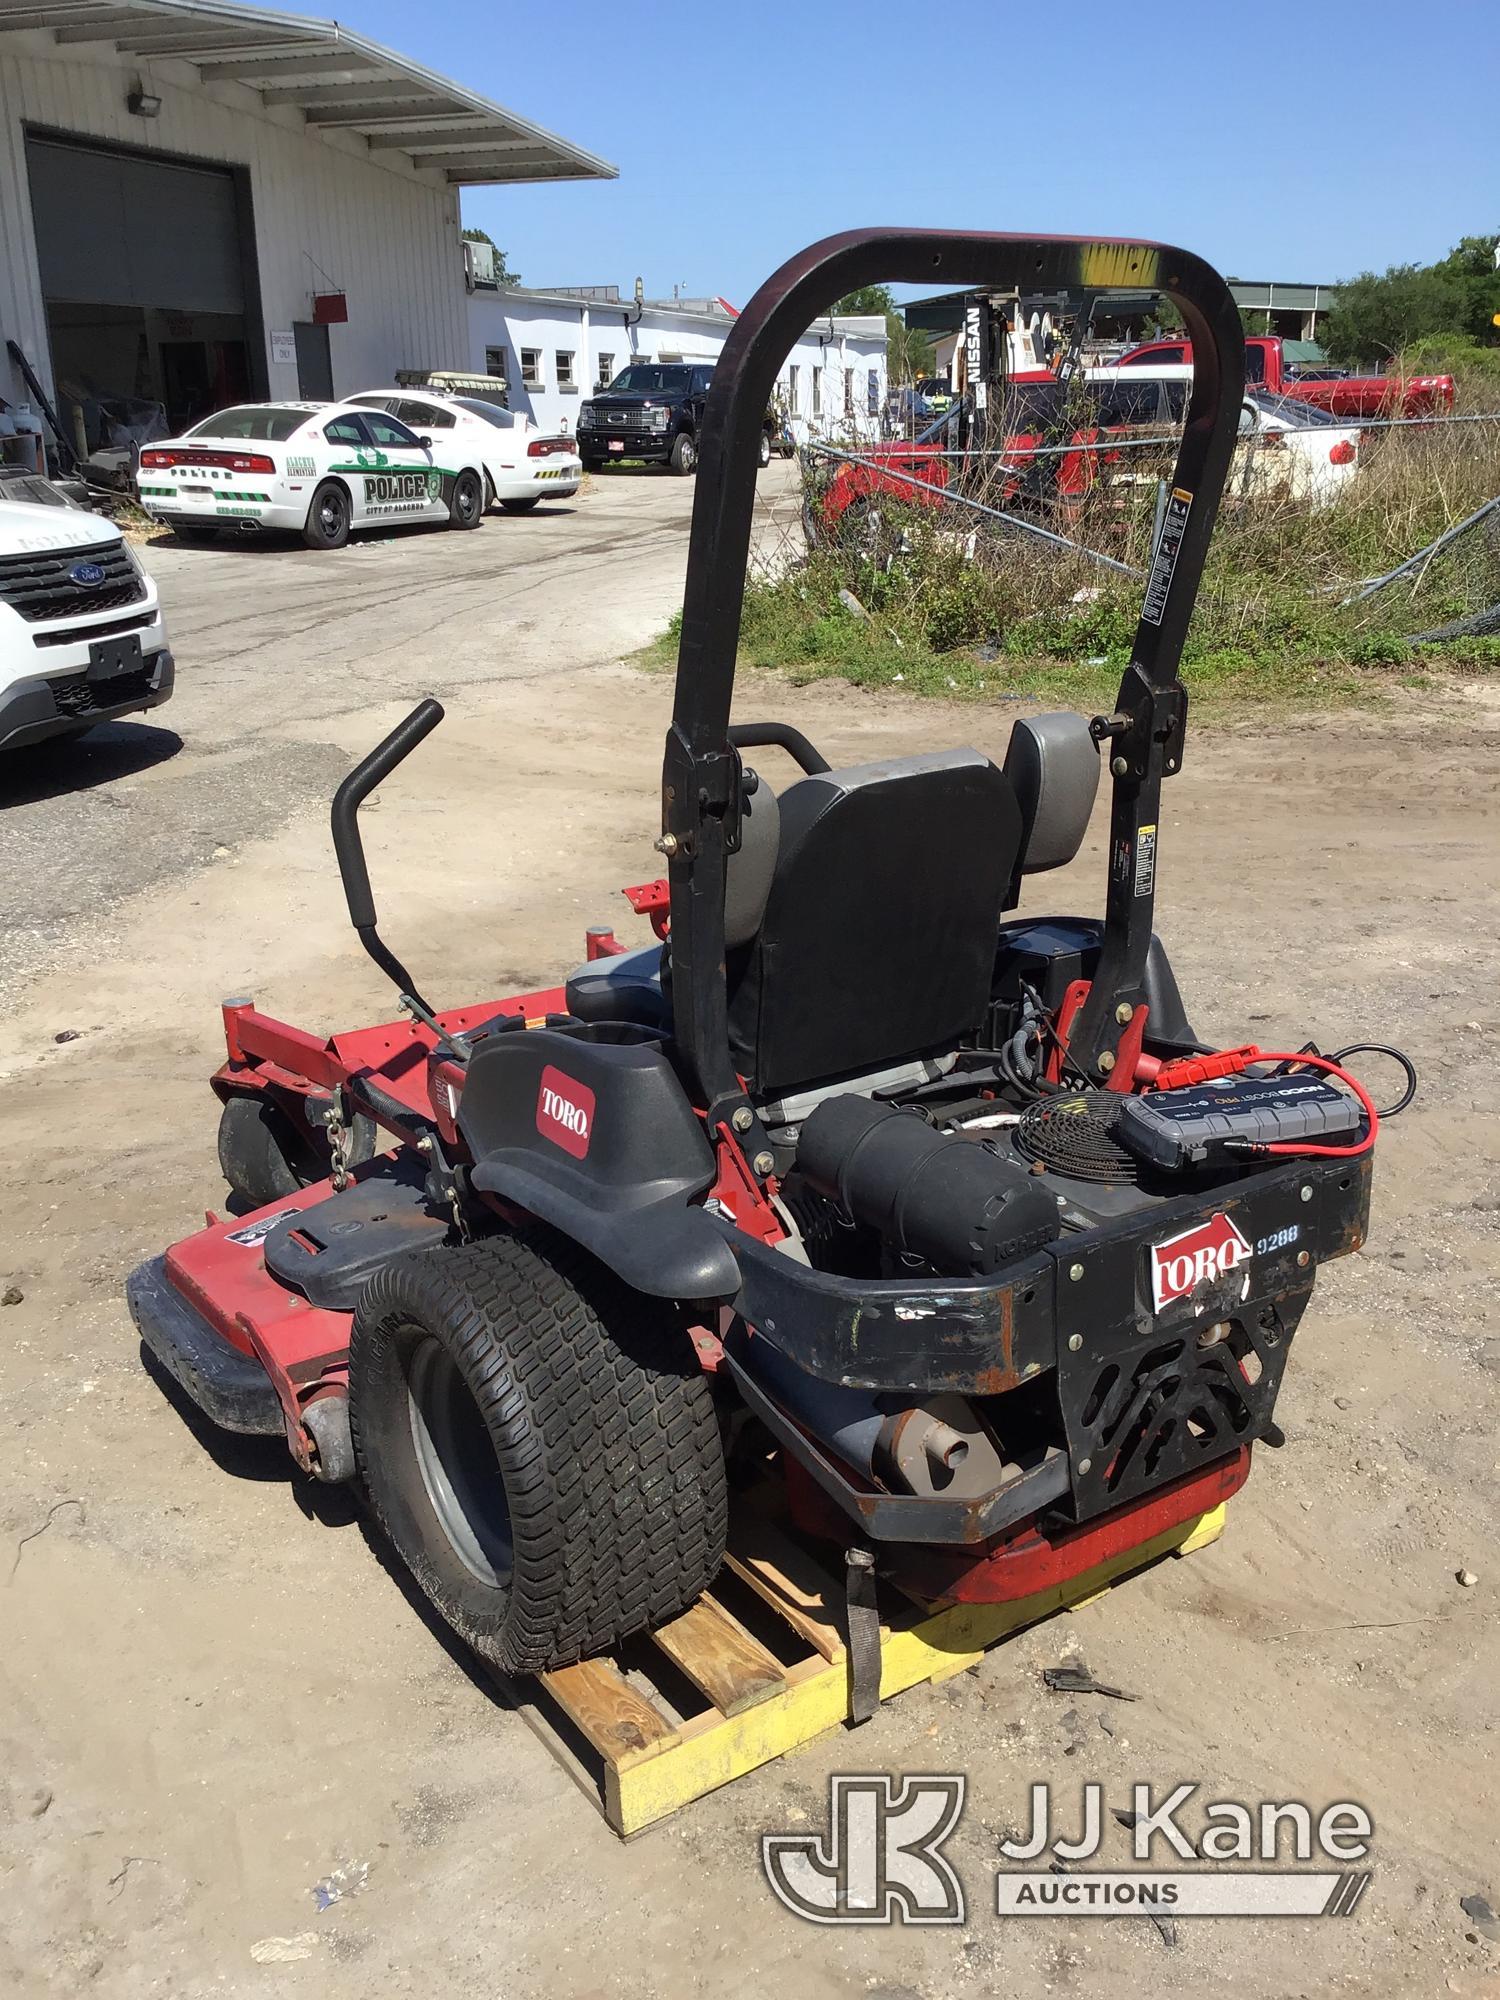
(962, 1206)
(956, 1203)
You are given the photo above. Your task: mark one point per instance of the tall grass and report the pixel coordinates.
(951, 602)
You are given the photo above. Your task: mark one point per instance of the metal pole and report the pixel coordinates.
(1421, 556)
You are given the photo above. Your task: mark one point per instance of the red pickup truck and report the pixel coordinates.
(1269, 366)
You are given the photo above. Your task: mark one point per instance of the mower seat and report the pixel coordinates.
(878, 938)
(861, 909)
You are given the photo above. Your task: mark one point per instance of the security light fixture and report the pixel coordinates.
(143, 103)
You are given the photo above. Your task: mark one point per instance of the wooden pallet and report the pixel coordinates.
(759, 1665)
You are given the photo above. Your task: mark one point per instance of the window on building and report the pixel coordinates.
(817, 408)
(848, 392)
(497, 363)
(564, 359)
(606, 368)
(792, 404)
(872, 392)
(531, 367)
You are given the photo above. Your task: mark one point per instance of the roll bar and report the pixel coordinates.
(1143, 739)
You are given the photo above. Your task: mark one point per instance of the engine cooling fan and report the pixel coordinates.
(1074, 1135)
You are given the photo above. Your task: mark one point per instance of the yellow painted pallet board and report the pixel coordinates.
(759, 1666)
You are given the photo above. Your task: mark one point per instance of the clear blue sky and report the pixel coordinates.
(1280, 141)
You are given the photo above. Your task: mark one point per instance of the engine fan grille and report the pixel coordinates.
(1074, 1135)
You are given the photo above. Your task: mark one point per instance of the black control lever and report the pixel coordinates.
(349, 849)
(781, 736)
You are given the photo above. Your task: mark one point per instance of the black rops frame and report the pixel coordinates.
(1143, 739)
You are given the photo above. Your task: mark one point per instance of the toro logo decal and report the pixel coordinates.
(1198, 1256)
(565, 1112)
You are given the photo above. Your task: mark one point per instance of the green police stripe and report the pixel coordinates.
(379, 471)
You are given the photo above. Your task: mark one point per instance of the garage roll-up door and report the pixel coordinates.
(124, 230)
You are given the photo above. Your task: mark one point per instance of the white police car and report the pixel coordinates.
(322, 470)
(522, 464)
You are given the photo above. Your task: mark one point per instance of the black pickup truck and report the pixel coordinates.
(652, 411)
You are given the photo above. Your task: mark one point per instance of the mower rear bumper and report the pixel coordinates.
(985, 1336)
(231, 1389)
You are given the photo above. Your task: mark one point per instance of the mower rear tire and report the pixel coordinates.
(262, 1154)
(538, 1444)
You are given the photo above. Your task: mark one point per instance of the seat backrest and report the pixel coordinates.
(877, 940)
(1052, 762)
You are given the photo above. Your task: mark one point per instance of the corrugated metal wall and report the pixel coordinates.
(326, 219)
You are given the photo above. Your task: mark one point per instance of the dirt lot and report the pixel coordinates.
(214, 1693)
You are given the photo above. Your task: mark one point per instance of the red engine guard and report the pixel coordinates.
(1027, 1558)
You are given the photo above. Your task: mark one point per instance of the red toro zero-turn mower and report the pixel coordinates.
(952, 1213)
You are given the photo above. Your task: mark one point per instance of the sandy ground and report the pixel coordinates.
(213, 1693)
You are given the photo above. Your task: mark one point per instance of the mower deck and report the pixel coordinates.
(760, 1665)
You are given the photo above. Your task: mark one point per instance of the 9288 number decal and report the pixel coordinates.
(1279, 1239)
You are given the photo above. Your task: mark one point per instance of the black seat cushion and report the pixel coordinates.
(878, 940)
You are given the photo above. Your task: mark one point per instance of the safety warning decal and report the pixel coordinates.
(257, 1231)
(1168, 548)
(1145, 861)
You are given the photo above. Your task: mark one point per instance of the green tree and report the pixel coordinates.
(504, 275)
(1472, 266)
(1379, 314)
(868, 299)
(908, 350)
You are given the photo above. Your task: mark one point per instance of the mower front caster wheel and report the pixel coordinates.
(539, 1445)
(327, 1422)
(262, 1154)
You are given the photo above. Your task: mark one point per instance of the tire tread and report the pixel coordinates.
(604, 1425)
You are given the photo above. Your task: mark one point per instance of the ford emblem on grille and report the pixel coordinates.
(86, 572)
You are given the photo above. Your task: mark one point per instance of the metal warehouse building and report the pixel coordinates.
(202, 201)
